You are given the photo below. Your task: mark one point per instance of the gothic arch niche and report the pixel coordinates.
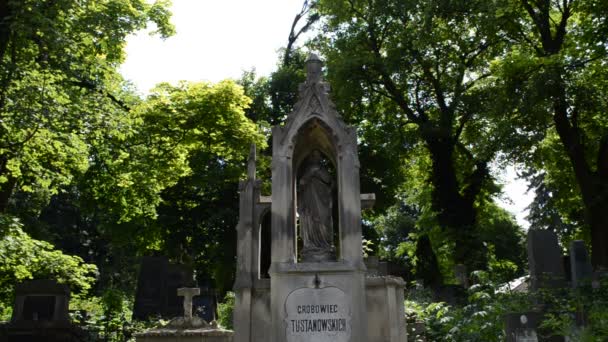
(315, 186)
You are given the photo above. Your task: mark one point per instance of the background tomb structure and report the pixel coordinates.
(40, 313)
(328, 298)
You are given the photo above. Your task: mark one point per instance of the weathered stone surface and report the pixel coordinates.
(384, 299)
(188, 293)
(318, 314)
(315, 211)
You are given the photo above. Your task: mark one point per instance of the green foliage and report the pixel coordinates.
(173, 123)
(479, 320)
(59, 86)
(565, 305)
(225, 311)
(415, 76)
(108, 317)
(23, 258)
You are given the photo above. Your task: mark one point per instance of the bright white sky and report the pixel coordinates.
(216, 40)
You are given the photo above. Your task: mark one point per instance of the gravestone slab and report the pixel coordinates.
(521, 327)
(545, 260)
(318, 315)
(580, 265)
(157, 288)
(151, 288)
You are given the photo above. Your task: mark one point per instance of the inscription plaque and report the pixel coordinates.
(318, 315)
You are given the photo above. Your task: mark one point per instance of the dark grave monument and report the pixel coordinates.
(40, 313)
(157, 288)
(580, 265)
(545, 260)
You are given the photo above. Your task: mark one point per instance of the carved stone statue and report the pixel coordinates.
(315, 211)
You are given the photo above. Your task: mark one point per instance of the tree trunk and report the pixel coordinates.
(6, 188)
(592, 184)
(455, 211)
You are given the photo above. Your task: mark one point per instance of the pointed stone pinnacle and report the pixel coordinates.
(314, 67)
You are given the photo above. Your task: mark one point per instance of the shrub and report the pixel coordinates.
(225, 311)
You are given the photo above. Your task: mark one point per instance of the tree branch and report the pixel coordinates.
(90, 85)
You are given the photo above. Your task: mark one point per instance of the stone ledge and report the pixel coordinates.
(315, 267)
(187, 332)
(384, 281)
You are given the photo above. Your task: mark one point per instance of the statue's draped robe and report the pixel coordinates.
(315, 209)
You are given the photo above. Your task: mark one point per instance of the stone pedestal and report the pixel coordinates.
(317, 302)
(186, 336)
(385, 312)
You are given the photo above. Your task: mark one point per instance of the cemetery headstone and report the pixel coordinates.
(580, 264)
(521, 327)
(545, 260)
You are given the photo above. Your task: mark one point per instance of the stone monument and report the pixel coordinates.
(321, 291)
(545, 260)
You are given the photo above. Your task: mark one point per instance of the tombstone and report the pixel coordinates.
(521, 327)
(205, 304)
(319, 288)
(157, 286)
(580, 266)
(40, 313)
(545, 260)
(186, 327)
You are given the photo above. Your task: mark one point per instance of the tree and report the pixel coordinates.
(417, 72)
(59, 84)
(557, 79)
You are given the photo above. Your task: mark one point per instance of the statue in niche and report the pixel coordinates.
(315, 211)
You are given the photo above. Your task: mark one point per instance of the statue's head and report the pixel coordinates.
(315, 157)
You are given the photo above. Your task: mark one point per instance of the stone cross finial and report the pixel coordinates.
(188, 293)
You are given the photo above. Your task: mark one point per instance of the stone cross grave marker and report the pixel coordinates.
(188, 293)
